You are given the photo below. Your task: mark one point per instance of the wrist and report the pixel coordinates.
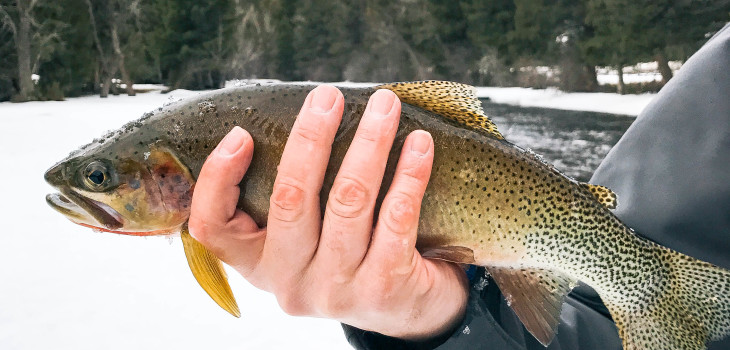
(441, 310)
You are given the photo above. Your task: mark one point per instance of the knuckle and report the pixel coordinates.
(291, 304)
(305, 133)
(349, 198)
(373, 129)
(312, 127)
(415, 172)
(382, 297)
(369, 132)
(332, 305)
(287, 201)
(199, 229)
(400, 214)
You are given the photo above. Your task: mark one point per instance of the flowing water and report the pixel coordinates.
(575, 142)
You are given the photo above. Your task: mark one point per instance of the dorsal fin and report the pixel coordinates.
(603, 194)
(536, 296)
(454, 101)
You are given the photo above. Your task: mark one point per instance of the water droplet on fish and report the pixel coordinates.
(146, 155)
(206, 107)
(170, 100)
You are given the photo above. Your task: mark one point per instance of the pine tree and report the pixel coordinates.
(189, 41)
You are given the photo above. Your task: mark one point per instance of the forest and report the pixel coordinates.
(53, 49)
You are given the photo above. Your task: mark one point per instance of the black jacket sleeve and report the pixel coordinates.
(671, 171)
(489, 323)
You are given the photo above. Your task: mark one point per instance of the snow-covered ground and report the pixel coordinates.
(527, 97)
(554, 98)
(63, 286)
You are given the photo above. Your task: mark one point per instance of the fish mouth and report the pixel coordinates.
(85, 211)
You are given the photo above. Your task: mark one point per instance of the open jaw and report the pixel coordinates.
(85, 211)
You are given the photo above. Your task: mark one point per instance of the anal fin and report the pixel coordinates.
(536, 296)
(209, 273)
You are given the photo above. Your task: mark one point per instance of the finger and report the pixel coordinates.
(348, 219)
(214, 220)
(294, 211)
(394, 239)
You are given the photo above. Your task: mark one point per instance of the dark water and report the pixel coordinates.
(575, 142)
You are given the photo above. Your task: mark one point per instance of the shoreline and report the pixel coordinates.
(601, 102)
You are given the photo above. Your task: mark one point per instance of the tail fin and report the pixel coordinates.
(691, 308)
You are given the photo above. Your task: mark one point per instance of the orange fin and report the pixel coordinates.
(536, 296)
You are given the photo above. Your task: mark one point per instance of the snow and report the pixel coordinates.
(66, 287)
(554, 98)
(629, 78)
(527, 97)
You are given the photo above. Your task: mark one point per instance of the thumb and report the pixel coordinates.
(215, 220)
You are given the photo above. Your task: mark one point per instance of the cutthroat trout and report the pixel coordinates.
(488, 203)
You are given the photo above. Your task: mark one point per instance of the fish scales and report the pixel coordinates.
(488, 202)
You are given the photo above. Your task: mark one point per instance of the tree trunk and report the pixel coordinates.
(591, 77)
(621, 86)
(22, 42)
(105, 66)
(126, 79)
(106, 84)
(663, 64)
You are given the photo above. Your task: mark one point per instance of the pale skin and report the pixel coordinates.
(344, 266)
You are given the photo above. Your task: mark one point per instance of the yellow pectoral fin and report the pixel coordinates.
(209, 273)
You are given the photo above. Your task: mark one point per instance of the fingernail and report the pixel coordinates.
(323, 100)
(421, 142)
(381, 102)
(232, 142)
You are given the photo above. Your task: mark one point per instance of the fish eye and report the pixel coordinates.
(96, 175)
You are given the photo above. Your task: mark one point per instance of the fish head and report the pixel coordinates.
(123, 188)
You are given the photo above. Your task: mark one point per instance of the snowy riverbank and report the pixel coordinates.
(576, 101)
(545, 98)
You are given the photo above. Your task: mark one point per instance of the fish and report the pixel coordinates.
(489, 203)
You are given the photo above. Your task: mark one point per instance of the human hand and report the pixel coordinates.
(341, 266)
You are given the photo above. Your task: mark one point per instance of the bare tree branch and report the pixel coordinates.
(42, 42)
(6, 20)
(92, 19)
(30, 6)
